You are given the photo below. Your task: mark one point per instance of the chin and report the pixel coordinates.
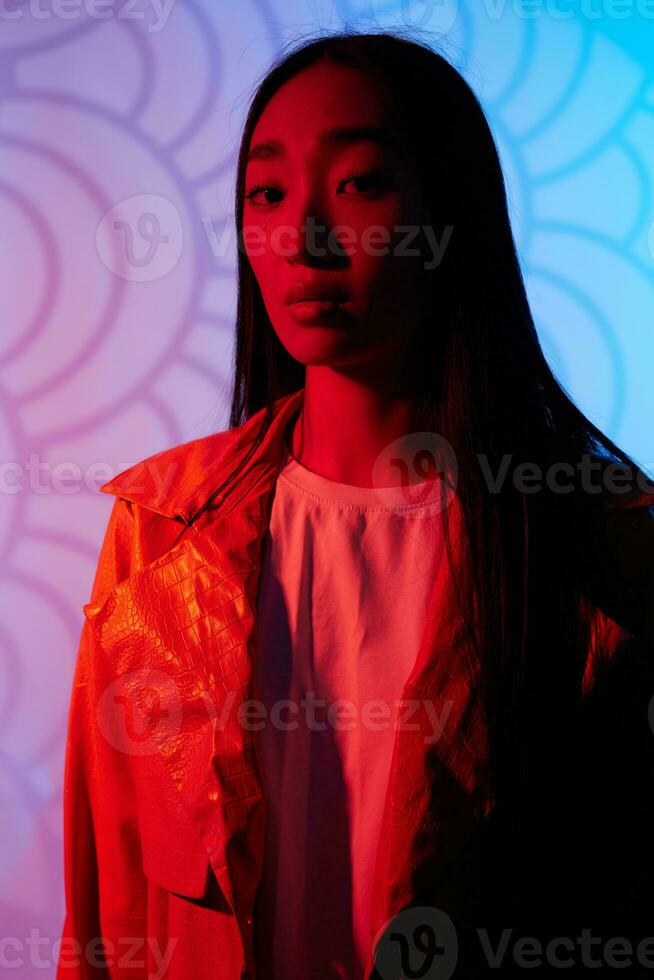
(327, 354)
(314, 344)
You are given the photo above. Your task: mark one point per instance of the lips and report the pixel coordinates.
(300, 292)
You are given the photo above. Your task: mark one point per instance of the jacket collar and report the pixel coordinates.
(178, 481)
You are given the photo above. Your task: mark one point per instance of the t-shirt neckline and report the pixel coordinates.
(293, 472)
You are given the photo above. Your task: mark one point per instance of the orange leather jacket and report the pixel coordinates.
(163, 801)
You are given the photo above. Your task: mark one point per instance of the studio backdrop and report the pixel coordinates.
(119, 125)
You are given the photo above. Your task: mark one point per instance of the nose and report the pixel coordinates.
(313, 242)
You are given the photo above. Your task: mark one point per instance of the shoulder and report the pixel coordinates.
(625, 573)
(153, 499)
(175, 482)
(628, 517)
(133, 537)
(171, 481)
(157, 495)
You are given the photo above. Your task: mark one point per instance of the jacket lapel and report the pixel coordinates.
(183, 627)
(438, 787)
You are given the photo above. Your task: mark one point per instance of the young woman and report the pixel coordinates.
(331, 700)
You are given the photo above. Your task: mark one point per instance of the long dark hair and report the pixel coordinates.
(482, 382)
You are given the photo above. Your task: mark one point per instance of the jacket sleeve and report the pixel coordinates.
(101, 848)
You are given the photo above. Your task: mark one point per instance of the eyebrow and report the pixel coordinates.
(336, 136)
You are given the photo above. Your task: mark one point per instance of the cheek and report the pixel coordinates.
(384, 266)
(385, 237)
(264, 268)
(257, 234)
(268, 252)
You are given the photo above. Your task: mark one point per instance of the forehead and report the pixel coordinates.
(321, 97)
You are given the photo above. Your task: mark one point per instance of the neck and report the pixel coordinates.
(346, 424)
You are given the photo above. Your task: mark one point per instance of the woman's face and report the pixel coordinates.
(312, 225)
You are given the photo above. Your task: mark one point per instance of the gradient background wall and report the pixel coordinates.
(118, 131)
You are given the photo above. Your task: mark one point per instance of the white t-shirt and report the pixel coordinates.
(343, 594)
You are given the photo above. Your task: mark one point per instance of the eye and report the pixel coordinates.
(368, 178)
(258, 189)
(371, 180)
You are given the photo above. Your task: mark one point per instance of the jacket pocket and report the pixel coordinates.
(173, 854)
(175, 862)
